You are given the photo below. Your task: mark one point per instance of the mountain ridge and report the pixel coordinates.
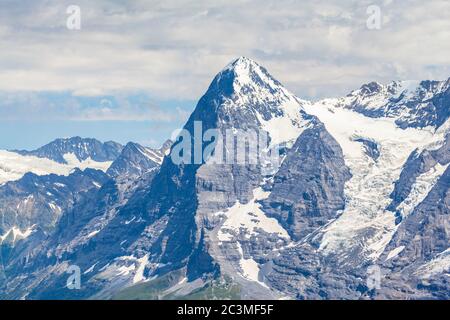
(82, 148)
(411, 103)
(310, 228)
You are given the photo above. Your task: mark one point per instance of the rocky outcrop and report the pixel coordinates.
(301, 273)
(135, 160)
(417, 256)
(416, 165)
(41, 200)
(271, 229)
(425, 232)
(308, 190)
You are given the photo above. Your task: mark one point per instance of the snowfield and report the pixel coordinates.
(17, 234)
(272, 94)
(249, 217)
(367, 192)
(423, 185)
(13, 165)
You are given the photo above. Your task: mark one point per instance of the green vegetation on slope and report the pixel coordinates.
(157, 289)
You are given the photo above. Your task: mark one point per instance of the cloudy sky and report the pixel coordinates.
(135, 69)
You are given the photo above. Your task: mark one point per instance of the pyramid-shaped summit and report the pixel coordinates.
(244, 94)
(247, 76)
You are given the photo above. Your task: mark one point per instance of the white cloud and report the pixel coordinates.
(174, 48)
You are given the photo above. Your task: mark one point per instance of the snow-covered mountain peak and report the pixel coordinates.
(246, 71)
(241, 62)
(400, 89)
(136, 160)
(152, 154)
(369, 89)
(242, 66)
(410, 103)
(377, 93)
(251, 80)
(244, 94)
(81, 148)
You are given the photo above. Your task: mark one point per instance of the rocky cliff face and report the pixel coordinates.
(40, 200)
(136, 160)
(360, 181)
(308, 190)
(31, 209)
(420, 163)
(418, 252)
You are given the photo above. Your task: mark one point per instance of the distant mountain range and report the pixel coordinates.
(81, 148)
(357, 207)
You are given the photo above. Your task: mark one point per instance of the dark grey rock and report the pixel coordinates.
(135, 160)
(308, 190)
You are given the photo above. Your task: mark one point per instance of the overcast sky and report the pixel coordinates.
(168, 51)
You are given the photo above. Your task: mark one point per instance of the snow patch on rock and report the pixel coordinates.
(250, 217)
(72, 161)
(394, 252)
(13, 166)
(420, 189)
(438, 265)
(17, 234)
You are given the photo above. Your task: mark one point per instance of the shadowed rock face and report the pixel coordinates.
(425, 232)
(149, 219)
(416, 165)
(37, 203)
(418, 270)
(102, 225)
(308, 190)
(135, 160)
(41, 200)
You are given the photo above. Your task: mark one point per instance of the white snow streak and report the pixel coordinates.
(250, 268)
(423, 185)
(17, 234)
(139, 275)
(250, 217)
(72, 161)
(438, 265)
(13, 165)
(394, 252)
